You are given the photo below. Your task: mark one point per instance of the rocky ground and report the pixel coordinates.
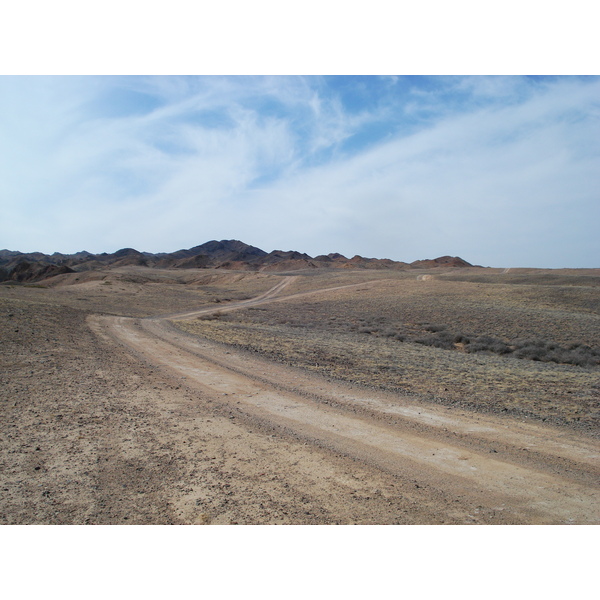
(92, 435)
(97, 430)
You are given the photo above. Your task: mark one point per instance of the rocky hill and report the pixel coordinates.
(225, 254)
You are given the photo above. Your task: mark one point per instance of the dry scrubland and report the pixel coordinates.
(92, 434)
(140, 292)
(524, 343)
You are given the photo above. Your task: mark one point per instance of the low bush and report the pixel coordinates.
(444, 340)
(212, 316)
(529, 349)
(433, 328)
(368, 329)
(486, 343)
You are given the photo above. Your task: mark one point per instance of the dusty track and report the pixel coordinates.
(523, 472)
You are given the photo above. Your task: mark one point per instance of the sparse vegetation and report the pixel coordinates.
(211, 316)
(102, 427)
(527, 351)
(426, 334)
(577, 354)
(523, 348)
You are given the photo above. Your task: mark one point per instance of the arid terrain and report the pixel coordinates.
(136, 395)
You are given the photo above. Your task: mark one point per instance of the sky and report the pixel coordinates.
(502, 171)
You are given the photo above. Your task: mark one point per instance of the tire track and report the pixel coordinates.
(418, 447)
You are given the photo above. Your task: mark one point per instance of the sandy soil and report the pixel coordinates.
(119, 419)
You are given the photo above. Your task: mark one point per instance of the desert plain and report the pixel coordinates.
(136, 395)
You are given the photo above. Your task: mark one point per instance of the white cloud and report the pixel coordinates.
(507, 176)
(473, 185)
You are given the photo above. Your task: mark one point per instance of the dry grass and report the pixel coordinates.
(368, 335)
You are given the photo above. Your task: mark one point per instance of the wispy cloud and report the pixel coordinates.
(501, 171)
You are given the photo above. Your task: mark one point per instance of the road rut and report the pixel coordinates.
(535, 473)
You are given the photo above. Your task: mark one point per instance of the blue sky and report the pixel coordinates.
(502, 171)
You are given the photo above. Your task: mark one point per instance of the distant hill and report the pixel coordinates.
(226, 254)
(443, 261)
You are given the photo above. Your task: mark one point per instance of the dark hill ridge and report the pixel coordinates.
(225, 254)
(443, 261)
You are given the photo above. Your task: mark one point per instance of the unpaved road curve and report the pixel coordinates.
(528, 472)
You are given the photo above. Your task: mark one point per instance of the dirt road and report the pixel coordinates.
(460, 466)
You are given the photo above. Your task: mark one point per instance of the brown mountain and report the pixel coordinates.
(443, 261)
(30, 272)
(225, 254)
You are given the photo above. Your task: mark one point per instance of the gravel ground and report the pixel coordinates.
(95, 433)
(91, 435)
